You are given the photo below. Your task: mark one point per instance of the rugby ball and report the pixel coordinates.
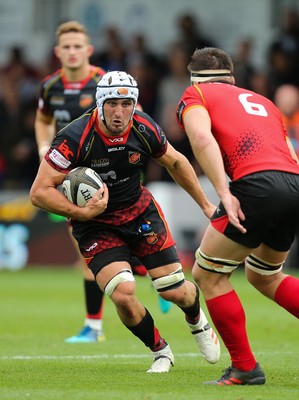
(81, 184)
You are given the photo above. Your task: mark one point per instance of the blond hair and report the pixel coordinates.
(71, 26)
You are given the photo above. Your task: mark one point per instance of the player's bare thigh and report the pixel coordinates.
(272, 256)
(215, 244)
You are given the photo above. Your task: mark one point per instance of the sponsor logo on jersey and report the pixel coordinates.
(180, 110)
(93, 246)
(116, 140)
(163, 136)
(101, 162)
(59, 159)
(152, 238)
(86, 100)
(119, 148)
(65, 150)
(134, 158)
(57, 100)
(73, 85)
(106, 176)
(62, 115)
(71, 91)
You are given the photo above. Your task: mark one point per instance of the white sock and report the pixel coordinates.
(96, 324)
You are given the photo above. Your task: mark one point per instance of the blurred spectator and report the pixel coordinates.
(259, 83)
(243, 67)
(145, 66)
(138, 46)
(287, 100)
(190, 35)
(22, 75)
(10, 106)
(19, 82)
(171, 87)
(112, 57)
(174, 82)
(22, 159)
(146, 75)
(284, 52)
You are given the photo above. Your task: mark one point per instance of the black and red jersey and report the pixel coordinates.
(119, 160)
(247, 127)
(66, 101)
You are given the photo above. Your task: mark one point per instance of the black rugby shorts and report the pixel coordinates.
(146, 237)
(270, 202)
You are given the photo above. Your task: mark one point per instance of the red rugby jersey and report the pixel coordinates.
(247, 126)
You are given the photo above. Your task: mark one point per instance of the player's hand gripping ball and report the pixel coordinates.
(81, 184)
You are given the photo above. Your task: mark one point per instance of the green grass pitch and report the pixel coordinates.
(40, 307)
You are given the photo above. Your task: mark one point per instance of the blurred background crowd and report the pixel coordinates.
(154, 44)
(161, 79)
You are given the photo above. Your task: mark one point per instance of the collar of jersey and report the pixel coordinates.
(76, 84)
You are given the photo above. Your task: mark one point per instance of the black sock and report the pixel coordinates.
(192, 312)
(93, 298)
(148, 333)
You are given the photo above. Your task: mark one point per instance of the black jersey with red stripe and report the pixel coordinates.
(119, 160)
(66, 101)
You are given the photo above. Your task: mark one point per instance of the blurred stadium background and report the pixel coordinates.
(262, 36)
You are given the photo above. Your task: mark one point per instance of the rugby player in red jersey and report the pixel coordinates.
(239, 134)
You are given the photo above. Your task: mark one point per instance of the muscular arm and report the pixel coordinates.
(197, 124)
(205, 148)
(45, 195)
(184, 175)
(44, 132)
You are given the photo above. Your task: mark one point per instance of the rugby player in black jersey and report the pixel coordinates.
(123, 218)
(64, 96)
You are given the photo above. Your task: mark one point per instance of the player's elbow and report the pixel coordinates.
(34, 196)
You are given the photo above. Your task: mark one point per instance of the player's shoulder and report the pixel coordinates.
(97, 72)
(142, 118)
(52, 79)
(80, 124)
(148, 129)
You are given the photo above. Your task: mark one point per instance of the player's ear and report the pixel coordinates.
(90, 50)
(57, 51)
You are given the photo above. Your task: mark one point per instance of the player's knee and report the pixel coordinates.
(175, 296)
(170, 286)
(125, 276)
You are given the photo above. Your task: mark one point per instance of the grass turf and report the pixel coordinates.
(40, 307)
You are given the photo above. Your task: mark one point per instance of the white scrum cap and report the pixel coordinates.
(116, 85)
